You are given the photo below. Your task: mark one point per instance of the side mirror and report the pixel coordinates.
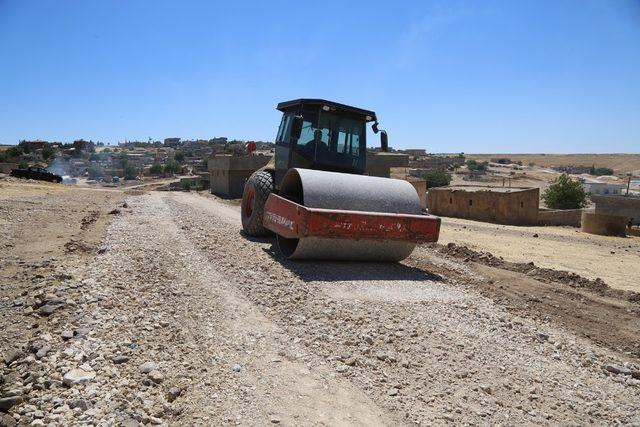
(296, 127)
(384, 140)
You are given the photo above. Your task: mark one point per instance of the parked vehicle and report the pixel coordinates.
(36, 173)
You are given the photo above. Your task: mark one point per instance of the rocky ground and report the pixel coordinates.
(154, 309)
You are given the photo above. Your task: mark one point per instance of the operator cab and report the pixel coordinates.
(323, 135)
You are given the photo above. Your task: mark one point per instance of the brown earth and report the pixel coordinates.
(614, 260)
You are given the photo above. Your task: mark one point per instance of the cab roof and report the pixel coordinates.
(296, 103)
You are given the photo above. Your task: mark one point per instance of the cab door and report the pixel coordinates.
(282, 148)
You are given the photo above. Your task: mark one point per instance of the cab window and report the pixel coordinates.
(283, 130)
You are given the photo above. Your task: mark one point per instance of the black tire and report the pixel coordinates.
(255, 194)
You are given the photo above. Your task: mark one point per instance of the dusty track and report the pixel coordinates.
(239, 336)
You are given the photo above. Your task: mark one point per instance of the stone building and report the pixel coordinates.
(603, 188)
(380, 163)
(229, 173)
(172, 142)
(515, 206)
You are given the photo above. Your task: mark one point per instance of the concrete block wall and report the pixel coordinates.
(606, 225)
(380, 163)
(518, 207)
(229, 173)
(618, 205)
(421, 188)
(570, 217)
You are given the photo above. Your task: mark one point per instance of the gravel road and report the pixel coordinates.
(178, 319)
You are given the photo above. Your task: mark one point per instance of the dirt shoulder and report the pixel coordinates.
(615, 260)
(48, 235)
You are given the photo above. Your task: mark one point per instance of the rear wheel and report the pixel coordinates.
(256, 191)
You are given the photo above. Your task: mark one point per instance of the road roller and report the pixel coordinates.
(315, 196)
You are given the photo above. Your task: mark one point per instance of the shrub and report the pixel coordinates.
(172, 167)
(155, 169)
(474, 165)
(565, 193)
(130, 171)
(15, 151)
(179, 157)
(437, 178)
(600, 171)
(94, 172)
(23, 165)
(186, 185)
(47, 153)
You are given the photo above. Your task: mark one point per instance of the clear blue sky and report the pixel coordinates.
(448, 76)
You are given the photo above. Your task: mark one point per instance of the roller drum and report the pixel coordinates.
(341, 191)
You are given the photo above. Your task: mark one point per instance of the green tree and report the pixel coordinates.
(600, 171)
(474, 165)
(130, 171)
(48, 153)
(94, 157)
(15, 151)
(172, 167)
(155, 169)
(437, 178)
(179, 156)
(24, 146)
(95, 172)
(565, 193)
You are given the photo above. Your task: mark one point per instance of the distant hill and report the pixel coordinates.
(620, 163)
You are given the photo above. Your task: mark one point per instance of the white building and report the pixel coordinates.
(604, 188)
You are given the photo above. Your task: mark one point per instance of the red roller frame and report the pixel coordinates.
(294, 221)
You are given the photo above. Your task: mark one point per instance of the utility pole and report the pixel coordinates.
(628, 184)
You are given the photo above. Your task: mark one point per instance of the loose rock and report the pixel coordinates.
(8, 402)
(156, 376)
(12, 355)
(147, 367)
(77, 376)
